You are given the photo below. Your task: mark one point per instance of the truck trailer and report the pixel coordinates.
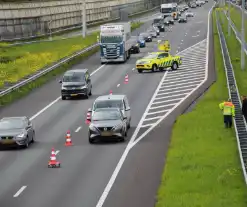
(115, 43)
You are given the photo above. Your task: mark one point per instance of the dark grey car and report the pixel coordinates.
(16, 131)
(76, 83)
(107, 123)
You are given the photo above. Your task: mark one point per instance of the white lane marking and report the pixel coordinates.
(172, 89)
(161, 102)
(162, 106)
(78, 129)
(57, 99)
(172, 92)
(157, 112)
(20, 191)
(194, 79)
(133, 68)
(196, 36)
(181, 84)
(118, 85)
(57, 152)
(153, 118)
(187, 77)
(147, 125)
(182, 40)
(165, 97)
(175, 75)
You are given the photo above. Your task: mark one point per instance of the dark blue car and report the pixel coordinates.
(141, 41)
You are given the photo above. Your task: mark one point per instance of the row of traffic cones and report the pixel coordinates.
(53, 163)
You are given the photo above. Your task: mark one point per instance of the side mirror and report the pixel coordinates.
(89, 110)
(60, 81)
(128, 109)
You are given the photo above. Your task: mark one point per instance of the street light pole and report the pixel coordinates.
(83, 13)
(229, 19)
(242, 38)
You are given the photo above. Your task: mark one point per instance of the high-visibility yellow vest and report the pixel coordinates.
(228, 108)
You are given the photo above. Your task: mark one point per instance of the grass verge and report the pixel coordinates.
(9, 98)
(235, 54)
(202, 166)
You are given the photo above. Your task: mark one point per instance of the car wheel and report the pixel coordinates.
(27, 143)
(90, 93)
(140, 71)
(154, 68)
(174, 66)
(63, 97)
(33, 138)
(87, 95)
(91, 141)
(138, 51)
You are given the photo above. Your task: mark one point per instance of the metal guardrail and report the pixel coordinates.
(46, 70)
(239, 122)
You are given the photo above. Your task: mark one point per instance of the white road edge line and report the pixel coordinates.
(118, 85)
(57, 99)
(132, 142)
(57, 152)
(78, 129)
(20, 191)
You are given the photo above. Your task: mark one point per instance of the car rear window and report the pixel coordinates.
(108, 104)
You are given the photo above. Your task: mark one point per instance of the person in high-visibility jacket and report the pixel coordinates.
(228, 109)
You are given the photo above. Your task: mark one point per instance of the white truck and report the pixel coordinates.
(115, 43)
(167, 9)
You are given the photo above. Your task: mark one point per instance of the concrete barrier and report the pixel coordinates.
(33, 19)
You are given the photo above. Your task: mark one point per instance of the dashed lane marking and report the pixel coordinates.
(78, 129)
(20, 191)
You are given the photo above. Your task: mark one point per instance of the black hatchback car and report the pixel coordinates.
(76, 83)
(107, 123)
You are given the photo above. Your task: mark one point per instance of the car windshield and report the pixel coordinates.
(74, 77)
(108, 104)
(106, 115)
(111, 39)
(150, 56)
(11, 124)
(156, 21)
(141, 38)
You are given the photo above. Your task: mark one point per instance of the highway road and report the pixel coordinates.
(88, 172)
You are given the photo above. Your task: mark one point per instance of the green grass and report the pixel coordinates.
(202, 166)
(234, 49)
(21, 61)
(59, 47)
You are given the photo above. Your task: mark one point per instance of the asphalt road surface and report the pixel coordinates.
(25, 180)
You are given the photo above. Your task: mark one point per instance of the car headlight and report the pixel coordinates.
(118, 127)
(21, 136)
(93, 128)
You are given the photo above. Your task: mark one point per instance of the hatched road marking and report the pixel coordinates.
(178, 84)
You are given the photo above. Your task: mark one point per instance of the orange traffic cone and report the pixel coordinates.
(126, 79)
(68, 141)
(88, 118)
(110, 92)
(53, 163)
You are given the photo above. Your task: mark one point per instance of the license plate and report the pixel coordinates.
(106, 134)
(7, 141)
(73, 94)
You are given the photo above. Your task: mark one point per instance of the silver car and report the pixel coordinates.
(113, 101)
(107, 123)
(16, 132)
